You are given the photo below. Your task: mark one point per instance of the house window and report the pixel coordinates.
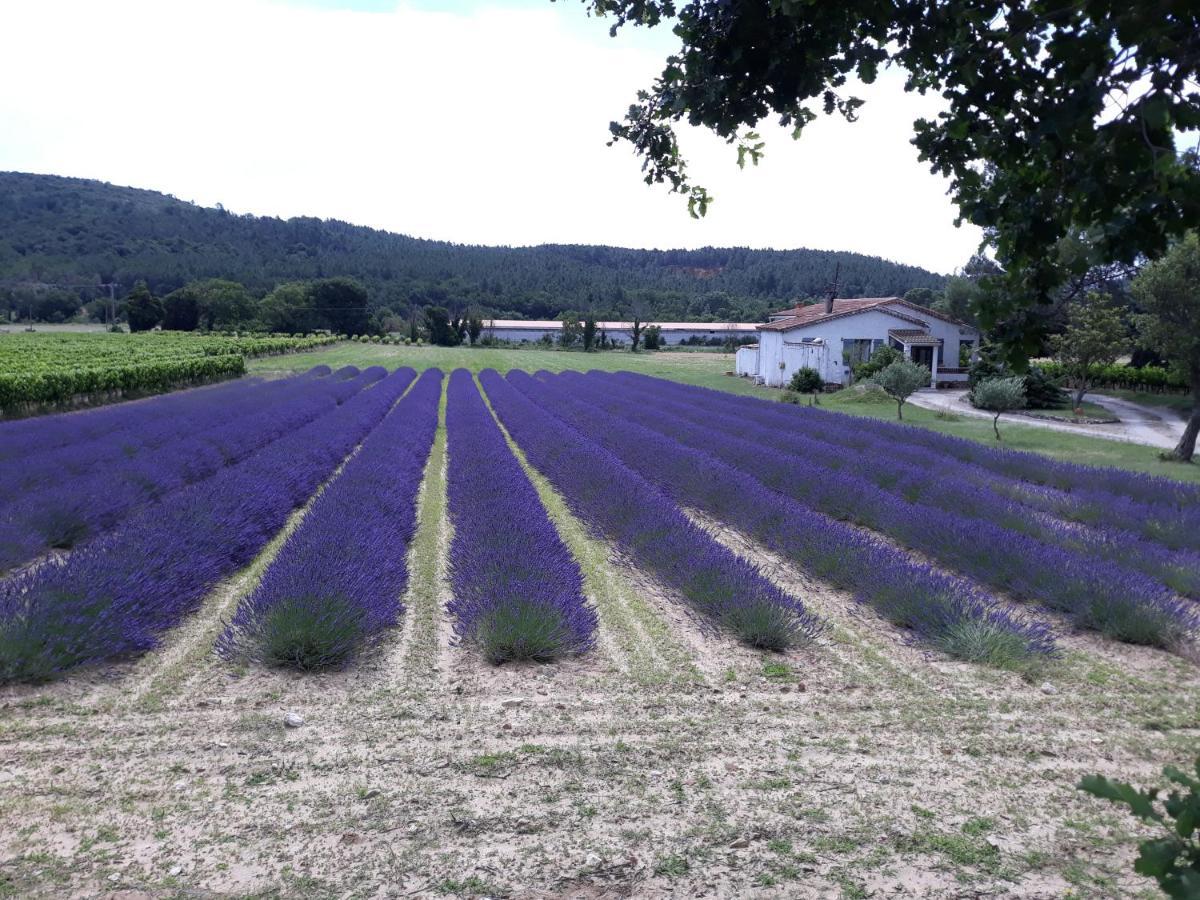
(856, 350)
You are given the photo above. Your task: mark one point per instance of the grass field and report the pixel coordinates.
(708, 370)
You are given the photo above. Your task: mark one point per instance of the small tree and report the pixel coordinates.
(806, 381)
(900, 380)
(571, 329)
(437, 322)
(143, 309)
(652, 337)
(1168, 292)
(474, 327)
(1095, 336)
(999, 395)
(589, 331)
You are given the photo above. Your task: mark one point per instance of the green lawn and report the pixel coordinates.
(1090, 411)
(708, 370)
(1181, 403)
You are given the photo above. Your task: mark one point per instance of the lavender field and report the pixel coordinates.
(358, 633)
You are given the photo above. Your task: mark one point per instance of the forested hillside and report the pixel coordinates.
(67, 230)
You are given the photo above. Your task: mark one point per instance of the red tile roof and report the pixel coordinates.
(808, 315)
(814, 312)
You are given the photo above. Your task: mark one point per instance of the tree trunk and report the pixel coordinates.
(1186, 448)
(1083, 389)
(995, 425)
(900, 410)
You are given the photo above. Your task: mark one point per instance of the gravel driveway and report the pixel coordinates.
(1139, 424)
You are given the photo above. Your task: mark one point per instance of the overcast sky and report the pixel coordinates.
(476, 121)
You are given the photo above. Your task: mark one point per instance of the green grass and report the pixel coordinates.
(1057, 444)
(708, 370)
(1090, 411)
(1180, 403)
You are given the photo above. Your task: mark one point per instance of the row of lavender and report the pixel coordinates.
(335, 587)
(1138, 507)
(1096, 592)
(930, 478)
(518, 593)
(60, 498)
(117, 594)
(643, 521)
(940, 609)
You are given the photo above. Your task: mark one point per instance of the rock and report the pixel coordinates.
(371, 794)
(593, 861)
(513, 702)
(1048, 688)
(293, 720)
(801, 688)
(740, 844)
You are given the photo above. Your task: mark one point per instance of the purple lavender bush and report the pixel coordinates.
(926, 476)
(939, 609)
(618, 504)
(518, 593)
(79, 492)
(115, 596)
(1160, 509)
(1096, 593)
(334, 589)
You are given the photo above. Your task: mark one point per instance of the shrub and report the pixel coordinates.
(999, 395)
(1173, 860)
(900, 380)
(1041, 392)
(880, 360)
(806, 381)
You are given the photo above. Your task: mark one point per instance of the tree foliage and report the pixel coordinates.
(74, 230)
(1060, 120)
(901, 380)
(1173, 858)
(1096, 334)
(1168, 293)
(998, 396)
(143, 310)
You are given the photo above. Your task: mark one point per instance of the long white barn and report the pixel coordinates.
(836, 335)
(518, 330)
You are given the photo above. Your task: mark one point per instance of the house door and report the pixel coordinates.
(923, 356)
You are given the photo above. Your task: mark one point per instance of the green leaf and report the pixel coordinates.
(1140, 804)
(1156, 857)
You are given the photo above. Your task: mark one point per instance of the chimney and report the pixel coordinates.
(832, 292)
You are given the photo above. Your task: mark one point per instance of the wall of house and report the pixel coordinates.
(949, 332)
(781, 354)
(745, 361)
(779, 346)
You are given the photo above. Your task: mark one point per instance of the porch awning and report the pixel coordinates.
(913, 338)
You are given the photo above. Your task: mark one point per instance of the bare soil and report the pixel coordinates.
(669, 761)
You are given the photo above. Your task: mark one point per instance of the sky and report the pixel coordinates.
(473, 121)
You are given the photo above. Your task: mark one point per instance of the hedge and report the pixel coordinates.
(63, 385)
(1147, 378)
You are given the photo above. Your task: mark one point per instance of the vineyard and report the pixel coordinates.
(528, 621)
(45, 369)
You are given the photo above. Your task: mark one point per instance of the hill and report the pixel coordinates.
(83, 232)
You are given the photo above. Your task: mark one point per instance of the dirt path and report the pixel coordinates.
(1139, 424)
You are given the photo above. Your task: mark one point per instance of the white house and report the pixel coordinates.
(532, 330)
(835, 335)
